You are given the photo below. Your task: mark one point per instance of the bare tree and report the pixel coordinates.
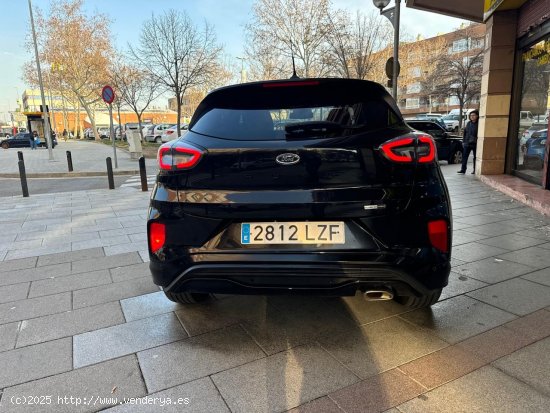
(300, 26)
(79, 44)
(176, 53)
(135, 87)
(353, 42)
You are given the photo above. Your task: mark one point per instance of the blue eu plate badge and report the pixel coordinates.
(245, 234)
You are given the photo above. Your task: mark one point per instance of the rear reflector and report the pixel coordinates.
(439, 234)
(157, 236)
(290, 84)
(177, 157)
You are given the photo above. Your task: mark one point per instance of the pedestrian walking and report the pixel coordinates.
(65, 134)
(469, 142)
(33, 137)
(36, 141)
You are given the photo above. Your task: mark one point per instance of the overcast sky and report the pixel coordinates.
(228, 17)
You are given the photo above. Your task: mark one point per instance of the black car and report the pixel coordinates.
(312, 186)
(23, 140)
(449, 147)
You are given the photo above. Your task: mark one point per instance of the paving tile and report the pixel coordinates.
(113, 292)
(464, 237)
(474, 251)
(458, 318)
(130, 271)
(14, 265)
(102, 263)
(364, 312)
(69, 283)
(34, 307)
(29, 363)
(291, 321)
(442, 366)
(380, 346)
(197, 396)
(377, 393)
(320, 405)
(55, 238)
(486, 390)
(535, 326)
(459, 284)
(495, 343)
(122, 248)
(197, 357)
(102, 383)
(123, 231)
(541, 276)
(34, 243)
(511, 241)
(8, 334)
(482, 219)
(516, 296)
(493, 270)
(282, 381)
(3, 254)
(99, 242)
(122, 339)
(530, 365)
(533, 256)
(13, 292)
(147, 305)
(70, 256)
(33, 274)
(93, 228)
(542, 233)
(493, 230)
(35, 252)
(69, 323)
(217, 314)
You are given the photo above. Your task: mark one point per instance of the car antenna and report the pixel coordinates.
(294, 75)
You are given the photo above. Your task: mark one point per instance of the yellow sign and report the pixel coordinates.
(490, 7)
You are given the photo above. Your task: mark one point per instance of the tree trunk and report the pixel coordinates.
(119, 123)
(179, 98)
(92, 119)
(139, 125)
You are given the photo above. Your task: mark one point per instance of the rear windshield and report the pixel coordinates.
(281, 123)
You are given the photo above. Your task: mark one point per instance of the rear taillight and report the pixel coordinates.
(157, 236)
(408, 149)
(178, 156)
(169, 132)
(439, 234)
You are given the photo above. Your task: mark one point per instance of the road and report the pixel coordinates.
(12, 186)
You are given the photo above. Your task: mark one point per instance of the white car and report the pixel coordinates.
(451, 122)
(156, 134)
(170, 133)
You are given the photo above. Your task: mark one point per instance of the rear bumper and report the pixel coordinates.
(318, 274)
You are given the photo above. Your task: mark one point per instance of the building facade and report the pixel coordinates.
(515, 87)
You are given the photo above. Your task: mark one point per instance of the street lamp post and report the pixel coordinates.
(243, 73)
(393, 15)
(44, 109)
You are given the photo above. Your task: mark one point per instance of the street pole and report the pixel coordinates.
(44, 110)
(395, 47)
(112, 131)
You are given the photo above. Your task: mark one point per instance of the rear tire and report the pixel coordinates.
(189, 298)
(5, 145)
(157, 139)
(420, 302)
(456, 157)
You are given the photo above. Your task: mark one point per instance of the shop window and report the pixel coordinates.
(412, 103)
(533, 117)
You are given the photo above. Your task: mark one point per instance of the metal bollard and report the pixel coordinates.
(23, 176)
(143, 174)
(110, 174)
(69, 161)
(20, 155)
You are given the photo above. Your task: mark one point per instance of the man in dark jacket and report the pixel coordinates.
(469, 142)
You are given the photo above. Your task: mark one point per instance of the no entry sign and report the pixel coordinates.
(108, 94)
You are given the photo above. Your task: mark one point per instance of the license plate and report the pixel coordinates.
(293, 233)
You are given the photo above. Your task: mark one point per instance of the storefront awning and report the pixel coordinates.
(474, 10)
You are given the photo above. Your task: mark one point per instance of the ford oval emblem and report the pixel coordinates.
(287, 159)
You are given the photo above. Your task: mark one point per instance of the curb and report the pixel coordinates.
(70, 174)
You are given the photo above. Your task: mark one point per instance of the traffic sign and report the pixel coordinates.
(389, 68)
(108, 94)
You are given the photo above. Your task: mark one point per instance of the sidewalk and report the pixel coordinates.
(81, 318)
(88, 160)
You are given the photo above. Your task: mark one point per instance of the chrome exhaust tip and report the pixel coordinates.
(378, 295)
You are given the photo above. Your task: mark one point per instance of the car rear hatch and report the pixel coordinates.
(324, 150)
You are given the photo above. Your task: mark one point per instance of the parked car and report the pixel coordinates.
(449, 147)
(170, 133)
(147, 130)
(23, 140)
(156, 135)
(535, 150)
(529, 132)
(104, 132)
(347, 198)
(5, 135)
(452, 122)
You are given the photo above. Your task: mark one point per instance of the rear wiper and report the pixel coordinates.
(320, 129)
